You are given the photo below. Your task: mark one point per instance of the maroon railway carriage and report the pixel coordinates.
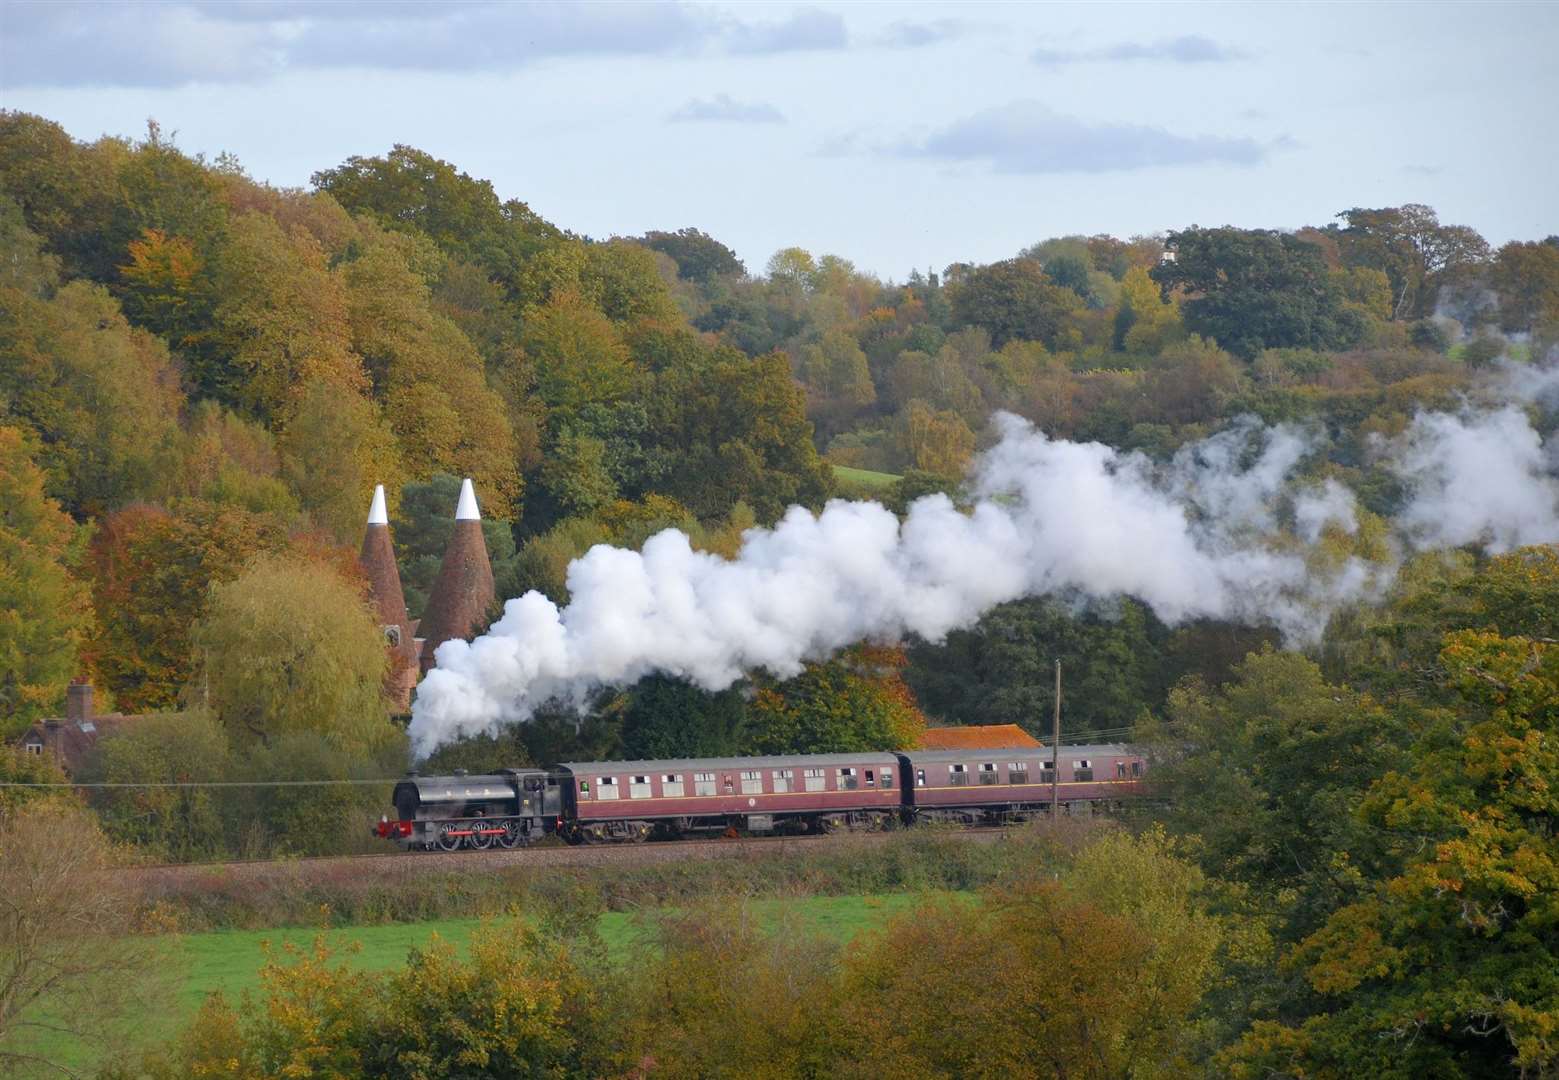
(974, 786)
(607, 800)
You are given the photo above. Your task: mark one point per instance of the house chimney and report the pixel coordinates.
(78, 702)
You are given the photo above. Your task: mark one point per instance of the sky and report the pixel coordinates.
(900, 136)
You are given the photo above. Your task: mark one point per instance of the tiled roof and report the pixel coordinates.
(977, 737)
(69, 741)
(458, 602)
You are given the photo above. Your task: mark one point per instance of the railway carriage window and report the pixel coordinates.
(988, 773)
(871, 778)
(671, 785)
(813, 778)
(1120, 770)
(782, 778)
(584, 788)
(639, 787)
(752, 782)
(848, 780)
(1017, 772)
(703, 783)
(920, 778)
(887, 779)
(1047, 771)
(606, 787)
(958, 775)
(1136, 768)
(1082, 770)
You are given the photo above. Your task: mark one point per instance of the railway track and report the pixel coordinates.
(399, 865)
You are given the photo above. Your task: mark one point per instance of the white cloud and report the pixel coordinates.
(1029, 137)
(723, 109)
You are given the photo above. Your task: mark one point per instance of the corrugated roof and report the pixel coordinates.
(977, 737)
(1030, 753)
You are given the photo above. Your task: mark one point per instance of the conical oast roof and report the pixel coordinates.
(377, 559)
(461, 596)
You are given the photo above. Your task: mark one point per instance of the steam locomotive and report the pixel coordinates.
(630, 801)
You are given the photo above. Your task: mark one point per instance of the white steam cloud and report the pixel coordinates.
(1222, 531)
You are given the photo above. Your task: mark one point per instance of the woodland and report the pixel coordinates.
(1354, 868)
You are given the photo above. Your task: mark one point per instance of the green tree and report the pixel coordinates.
(45, 612)
(699, 257)
(1014, 299)
(670, 718)
(423, 524)
(169, 748)
(1002, 670)
(410, 190)
(1448, 965)
(737, 430)
(289, 646)
(1254, 289)
(856, 701)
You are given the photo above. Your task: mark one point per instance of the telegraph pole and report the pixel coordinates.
(1055, 754)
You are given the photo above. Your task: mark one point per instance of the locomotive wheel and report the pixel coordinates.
(479, 840)
(510, 835)
(447, 842)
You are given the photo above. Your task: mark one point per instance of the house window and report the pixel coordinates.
(639, 787)
(988, 773)
(1017, 772)
(671, 785)
(703, 783)
(782, 778)
(813, 778)
(1082, 769)
(958, 775)
(848, 780)
(752, 782)
(606, 787)
(392, 636)
(35, 748)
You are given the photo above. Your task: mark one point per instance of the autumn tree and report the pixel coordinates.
(45, 612)
(75, 963)
(935, 441)
(1526, 277)
(334, 449)
(282, 320)
(289, 646)
(429, 377)
(150, 571)
(1413, 248)
(102, 397)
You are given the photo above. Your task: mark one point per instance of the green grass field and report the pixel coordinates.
(230, 960)
(864, 477)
